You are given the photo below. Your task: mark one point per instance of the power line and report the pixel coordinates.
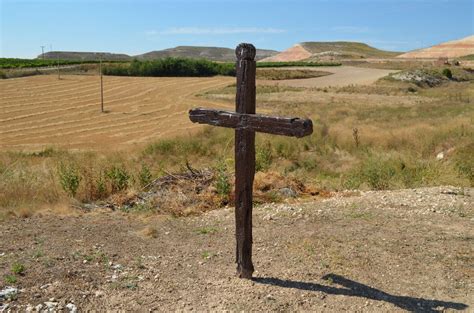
(42, 51)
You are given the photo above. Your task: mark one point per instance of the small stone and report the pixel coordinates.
(50, 305)
(38, 307)
(8, 292)
(99, 293)
(71, 307)
(269, 297)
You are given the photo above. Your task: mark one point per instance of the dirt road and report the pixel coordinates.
(373, 251)
(342, 76)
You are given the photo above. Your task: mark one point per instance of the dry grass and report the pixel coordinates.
(400, 133)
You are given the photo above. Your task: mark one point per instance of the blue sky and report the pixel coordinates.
(135, 27)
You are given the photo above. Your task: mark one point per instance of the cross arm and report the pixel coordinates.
(285, 126)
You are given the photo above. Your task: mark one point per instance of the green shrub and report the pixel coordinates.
(118, 178)
(171, 67)
(144, 176)
(464, 162)
(18, 268)
(69, 178)
(222, 183)
(10, 279)
(374, 171)
(447, 72)
(263, 158)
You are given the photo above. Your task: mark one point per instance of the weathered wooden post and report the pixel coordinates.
(246, 123)
(244, 159)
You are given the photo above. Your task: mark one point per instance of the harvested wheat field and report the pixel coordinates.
(43, 111)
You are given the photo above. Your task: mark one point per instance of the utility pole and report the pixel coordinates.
(59, 75)
(42, 51)
(101, 88)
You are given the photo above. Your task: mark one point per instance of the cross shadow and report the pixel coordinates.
(355, 289)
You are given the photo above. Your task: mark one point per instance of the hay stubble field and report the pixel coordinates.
(41, 111)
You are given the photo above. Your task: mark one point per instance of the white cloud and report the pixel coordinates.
(215, 31)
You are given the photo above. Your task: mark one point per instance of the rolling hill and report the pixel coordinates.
(208, 53)
(451, 49)
(313, 51)
(85, 56)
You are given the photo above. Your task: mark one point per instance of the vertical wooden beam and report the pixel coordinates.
(244, 159)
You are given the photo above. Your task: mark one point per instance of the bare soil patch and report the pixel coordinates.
(380, 251)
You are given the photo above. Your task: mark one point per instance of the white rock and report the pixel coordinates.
(29, 308)
(38, 307)
(50, 304)
(99, 293)
(71, 307)
(440, 156)
(8, 292)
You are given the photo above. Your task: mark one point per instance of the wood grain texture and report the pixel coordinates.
(284, 126)
(246, 123)
(244, 159)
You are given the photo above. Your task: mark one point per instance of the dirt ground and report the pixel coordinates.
(41, 111)
(383, 251)
(342, 76)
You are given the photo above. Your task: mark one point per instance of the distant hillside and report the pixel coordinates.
(451, 49)
(336, 50)
(208, 53)
(85, 56)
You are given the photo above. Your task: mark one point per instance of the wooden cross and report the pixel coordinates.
(246, 123)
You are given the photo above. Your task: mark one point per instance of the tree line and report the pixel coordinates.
(170, 67)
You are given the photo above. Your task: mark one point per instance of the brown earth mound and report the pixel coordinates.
(295, 53)
(450, 49)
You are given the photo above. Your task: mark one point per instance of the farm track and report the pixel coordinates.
(41, 111)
